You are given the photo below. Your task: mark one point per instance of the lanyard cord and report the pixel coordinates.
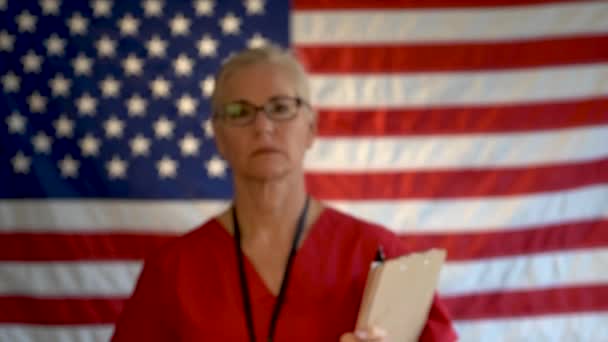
(243, 277)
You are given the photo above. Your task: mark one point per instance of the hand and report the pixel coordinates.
(373, 334)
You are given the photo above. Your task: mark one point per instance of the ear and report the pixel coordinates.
(312, 129)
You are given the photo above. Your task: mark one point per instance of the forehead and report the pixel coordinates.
(259, 82)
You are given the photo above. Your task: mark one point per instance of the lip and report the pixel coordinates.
(265, 150)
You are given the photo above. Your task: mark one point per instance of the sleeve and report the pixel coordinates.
(148, 314)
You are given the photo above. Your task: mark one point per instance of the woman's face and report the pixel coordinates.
(264, 149)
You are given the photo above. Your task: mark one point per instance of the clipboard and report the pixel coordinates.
(399, 292)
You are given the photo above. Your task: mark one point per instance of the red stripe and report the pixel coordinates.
(529, 302)
(463, 120)
(456, 183)
(454, 57)
(396, 4)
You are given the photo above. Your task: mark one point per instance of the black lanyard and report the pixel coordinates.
(243, 277)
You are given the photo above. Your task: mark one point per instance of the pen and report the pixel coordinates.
(379, 254)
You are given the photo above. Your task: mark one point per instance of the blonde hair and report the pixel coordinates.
(271, 54)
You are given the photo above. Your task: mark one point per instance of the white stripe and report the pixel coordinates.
(425, 90)
(523, 272)
(548, 328)
(438, 25)
(63, 333)
(458, 151)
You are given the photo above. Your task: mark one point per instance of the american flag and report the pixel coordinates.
(477, 126)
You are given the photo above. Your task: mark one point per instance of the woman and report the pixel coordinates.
(277, 265)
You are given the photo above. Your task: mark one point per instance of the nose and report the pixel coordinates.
(261, 122)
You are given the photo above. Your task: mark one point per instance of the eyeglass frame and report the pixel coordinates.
(299, 102)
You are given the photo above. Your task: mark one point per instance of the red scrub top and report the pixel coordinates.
(190, 291)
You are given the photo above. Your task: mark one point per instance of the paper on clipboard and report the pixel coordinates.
(399, 293)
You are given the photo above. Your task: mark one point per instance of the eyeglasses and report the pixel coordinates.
(242, 113)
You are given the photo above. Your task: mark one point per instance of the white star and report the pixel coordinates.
(136, 105)
(31, 62)
(89, 145)
(152, 8)
(128, 25)
(140, 145)
(64, 127)
(216, 167)
(189, 145)
(7, 41)
(207, 86)
(11, 82)
(55, 46)
(21, 163)
(230, 24)
(167, 167)
(254, 7)
(257, 41)
(156, 47)
(203, 7)
(160, 87)
(68, 167)
(77, 24)
(117, 168)
(183, 65)
(114, 127)
(86, 105)
(110, 87)
(60, 86)
(49, 7)
(180, 25)
(42, 143)
(82, 65)
(208, 128)
(133, 66)
(26, 22)
(16, 123)
(106, 47)
(37, 102)
(3, 5)
(101, 8)
(163, 128)
(186, 105)
(207, 46)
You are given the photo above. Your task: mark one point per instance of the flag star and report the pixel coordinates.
(128, 25)
(230, 24)
(64, 127)
(183, 65)
(49, 7)
(101, 8)
(216, 167)
(42, 143)
(55, 46)
(167, 167)
(82, 65)
(140, 145)
(180, 25)
(152, 8)
(207, 86)
(31, 62)
(203, 7)
(110, 87)
(136, 105)
(160, 87)
(186, 105)
(60, 86)
(68, 167)
(16, 123)
(117, 168)
(207, 46)
(86, 105)
(254, 7)
(106, 47)
(257, 41)
(21, 163)
(11, 82)
(37, 102)
(3, 5)
(163, 128)
(26, 21)
(133, 66)
(114, 127)
(189, 145)
(77, 24)
(89, 145)
(7, 41)
(208, 128)
(156, 47)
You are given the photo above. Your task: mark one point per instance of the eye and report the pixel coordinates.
(235, 110)
(281, 107)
